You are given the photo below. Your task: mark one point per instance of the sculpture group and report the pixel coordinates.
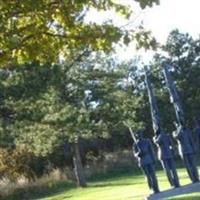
(142, 147)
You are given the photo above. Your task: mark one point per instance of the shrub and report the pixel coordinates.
(15, 163)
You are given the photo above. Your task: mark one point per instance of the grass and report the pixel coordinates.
(125, 186)
(118, 185)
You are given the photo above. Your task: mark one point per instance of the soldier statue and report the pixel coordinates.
(162, 140)
(166, 156)
(143, 151)
(183, 135)
(186, 147)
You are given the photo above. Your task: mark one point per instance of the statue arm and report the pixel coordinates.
(157, 139)
(170, 140)
(136, 151)
(176, 133)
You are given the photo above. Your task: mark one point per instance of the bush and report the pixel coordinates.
(53, 182)
(18, 162)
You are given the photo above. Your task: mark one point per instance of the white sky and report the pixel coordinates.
(161, 19)
(171, 14)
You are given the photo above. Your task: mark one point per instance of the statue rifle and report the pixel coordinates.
(174, 97)
(153, 104)
(131, 132)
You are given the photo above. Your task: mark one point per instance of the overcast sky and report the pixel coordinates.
(171, 14)
(161, 19)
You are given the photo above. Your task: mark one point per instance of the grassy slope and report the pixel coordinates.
(124, 186)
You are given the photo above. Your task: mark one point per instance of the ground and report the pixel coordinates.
(128, 185)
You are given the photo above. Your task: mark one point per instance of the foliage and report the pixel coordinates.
(17, 163)
(94, 103)
(42, 30)
(184, 54)
(63, 103)
(144, 3)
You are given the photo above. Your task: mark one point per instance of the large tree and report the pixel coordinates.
(50, 105)
(93, 102)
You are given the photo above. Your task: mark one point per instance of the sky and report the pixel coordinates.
(160, 19)
(171, 14)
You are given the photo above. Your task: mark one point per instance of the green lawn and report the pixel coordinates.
(123, 186)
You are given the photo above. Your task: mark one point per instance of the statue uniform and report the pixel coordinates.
(187, 151)
(145, 156)
(166, 156)
(197, 137)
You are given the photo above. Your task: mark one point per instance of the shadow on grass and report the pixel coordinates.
(114, 184)
(116, 174)
(115, 178)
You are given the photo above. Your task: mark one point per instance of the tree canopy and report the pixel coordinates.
(42, 29)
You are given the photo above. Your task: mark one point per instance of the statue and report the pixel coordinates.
(144, 154)
(162, 140)
(182, 134)
(187, 150)
(166, 156)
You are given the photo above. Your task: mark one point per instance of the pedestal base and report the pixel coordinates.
(186, 189)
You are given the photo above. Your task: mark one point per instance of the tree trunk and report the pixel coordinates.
(78, 167)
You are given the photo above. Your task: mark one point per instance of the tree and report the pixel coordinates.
(90, 100)
(183, 53)
(42, 30)
(92, 103)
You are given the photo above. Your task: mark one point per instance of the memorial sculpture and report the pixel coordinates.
(182, 134)
(162, 140)
(143, 151)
